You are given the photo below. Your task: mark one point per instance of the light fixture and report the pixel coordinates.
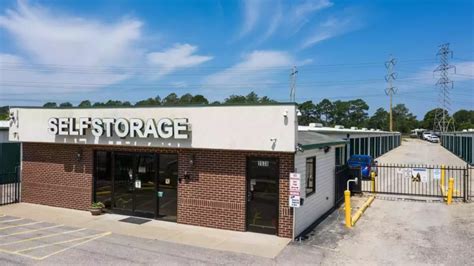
(79, 155)
(285, 113)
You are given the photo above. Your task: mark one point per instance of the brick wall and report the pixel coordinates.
(214, 196)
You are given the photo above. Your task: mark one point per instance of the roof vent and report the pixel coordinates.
(353, 128)
(339, 127)
(315, 125)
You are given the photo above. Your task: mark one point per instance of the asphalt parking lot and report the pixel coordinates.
(39, 240)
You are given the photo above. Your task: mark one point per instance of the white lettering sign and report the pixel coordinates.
(121, 127)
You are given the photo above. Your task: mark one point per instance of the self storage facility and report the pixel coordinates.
(225, 167)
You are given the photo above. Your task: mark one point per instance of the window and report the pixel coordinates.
(310, 175)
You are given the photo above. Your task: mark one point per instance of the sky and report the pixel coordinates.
(68, 50)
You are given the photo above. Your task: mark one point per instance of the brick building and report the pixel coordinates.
(225, 167)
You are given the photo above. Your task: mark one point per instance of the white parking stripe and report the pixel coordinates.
(63, 242)
(7, 221)
(18, 225)
(40, 237)
(30, 231)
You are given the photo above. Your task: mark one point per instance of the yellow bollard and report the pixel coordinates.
(347, 206)
(450, 190)
(443, 173)
(372, 177)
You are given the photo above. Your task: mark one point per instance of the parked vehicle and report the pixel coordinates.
(426, 135)
(433, 138)
(365, 163)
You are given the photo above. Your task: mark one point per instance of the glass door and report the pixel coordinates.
(145, 185)
(123, 182)
(262, 195)
(167, 187)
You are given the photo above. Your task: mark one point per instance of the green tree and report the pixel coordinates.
(464, 119)
(403, 120)
(85, 103)
(199, 99)
(428, 120)
(252, 97)
(171, 99)
(66, 104)
(235, 99)
(325, 111)
(186, 99)
(266, 100)
(379, 120)
(4, 113)
(308, 113)
(50, 104)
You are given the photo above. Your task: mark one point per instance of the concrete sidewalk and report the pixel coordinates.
(241, 242)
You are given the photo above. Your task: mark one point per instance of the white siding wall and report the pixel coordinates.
(322, 200)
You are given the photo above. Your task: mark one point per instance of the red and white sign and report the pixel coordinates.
(294, 187)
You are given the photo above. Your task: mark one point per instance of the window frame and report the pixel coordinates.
(310, 190)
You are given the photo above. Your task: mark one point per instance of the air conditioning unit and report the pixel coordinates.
(338, 127)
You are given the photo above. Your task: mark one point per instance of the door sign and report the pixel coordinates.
(294, 187)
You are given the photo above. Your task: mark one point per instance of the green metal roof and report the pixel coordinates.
(312, 140)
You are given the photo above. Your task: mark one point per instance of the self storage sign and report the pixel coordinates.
(294, 187)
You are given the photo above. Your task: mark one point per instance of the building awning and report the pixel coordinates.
(311, 140)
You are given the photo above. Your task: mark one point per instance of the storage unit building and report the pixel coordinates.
(225, 167)
(360, 141)
(460, 143)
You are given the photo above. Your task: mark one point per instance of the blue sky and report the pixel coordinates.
(131, 50)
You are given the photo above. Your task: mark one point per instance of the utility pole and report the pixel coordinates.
(293, 74)
(389, 78)
(442, 122)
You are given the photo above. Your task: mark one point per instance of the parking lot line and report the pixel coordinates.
(33, 230)
(75, 245)
(91, 237)
(40, 237)
(7, 221)
(18, 225)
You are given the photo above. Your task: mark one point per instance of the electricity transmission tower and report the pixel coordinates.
(390, 90)
(442, 122)
(293, 75)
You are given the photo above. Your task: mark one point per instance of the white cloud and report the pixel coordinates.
(60, 54)
(332, 27)
(252, 9)
(300, 13)
(178, 57)
(253, 70)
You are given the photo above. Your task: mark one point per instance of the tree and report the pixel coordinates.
(50, 104)
(252, 97)
(4, 115)
(66, 104)
(235, 99)
(266, 100)
(199, 99)
(308, 113)
(404, 121)
(428, 120)
(464, 119)
(357, 112)
(379, 120)
(325, 111)
(85, 103)
(186, 98)
(171, 99)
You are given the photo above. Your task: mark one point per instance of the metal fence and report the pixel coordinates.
(420, 180)
(10, 188)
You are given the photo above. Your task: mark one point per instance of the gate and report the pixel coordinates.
(10, 187)
(420, 180)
